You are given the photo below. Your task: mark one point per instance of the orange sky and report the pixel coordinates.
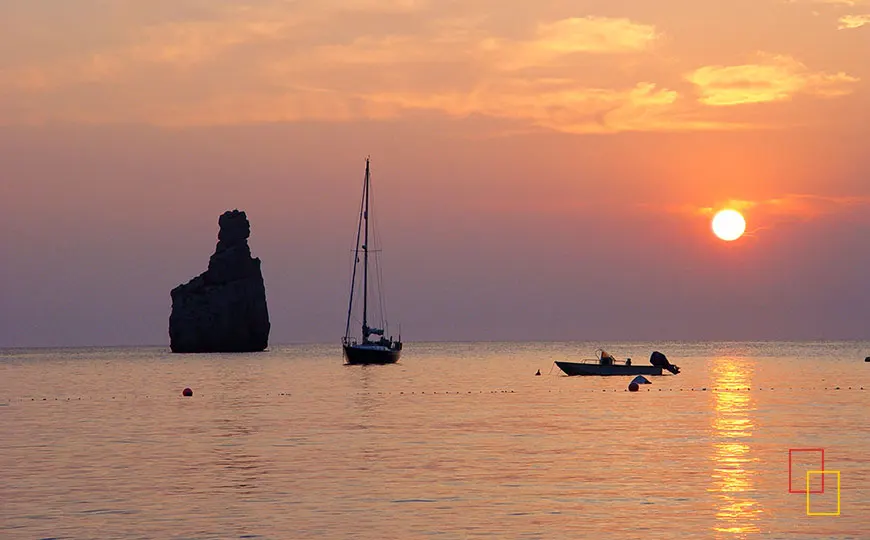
(515, 146)
(575, 67)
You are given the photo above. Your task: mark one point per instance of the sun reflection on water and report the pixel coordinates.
(732, 426)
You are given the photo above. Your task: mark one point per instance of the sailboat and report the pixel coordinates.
(375, 347)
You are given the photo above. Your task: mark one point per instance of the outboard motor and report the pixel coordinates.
(660, 360)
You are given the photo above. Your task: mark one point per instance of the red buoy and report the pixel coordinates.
(187, 392)
(633, 387)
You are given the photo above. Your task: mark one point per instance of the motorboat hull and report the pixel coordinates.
(580, 368)
(357, 355)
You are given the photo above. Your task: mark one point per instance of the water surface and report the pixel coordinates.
(456, 441)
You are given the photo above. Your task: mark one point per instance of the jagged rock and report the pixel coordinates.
(224, 308)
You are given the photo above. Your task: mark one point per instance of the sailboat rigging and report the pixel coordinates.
(375, 347)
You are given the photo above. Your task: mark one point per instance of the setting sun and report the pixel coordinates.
(729, 225)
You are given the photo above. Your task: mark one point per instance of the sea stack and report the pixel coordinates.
(224, 308)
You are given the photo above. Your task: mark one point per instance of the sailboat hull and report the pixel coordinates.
(361, 355)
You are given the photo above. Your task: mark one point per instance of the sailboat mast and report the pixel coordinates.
(355, 261)
(365, 327)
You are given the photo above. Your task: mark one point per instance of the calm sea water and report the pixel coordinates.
(456, 441)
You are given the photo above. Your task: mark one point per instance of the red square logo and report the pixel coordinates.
(801, 460)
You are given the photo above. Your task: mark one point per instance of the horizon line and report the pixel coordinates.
(447, 342)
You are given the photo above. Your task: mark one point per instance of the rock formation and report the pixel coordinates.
(224, 308)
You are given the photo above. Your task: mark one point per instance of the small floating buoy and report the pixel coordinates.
(538, 373)
(867, 359)
(633, 387)
(187, 392)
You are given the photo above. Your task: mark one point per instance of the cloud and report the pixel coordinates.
(183, 44)
(190, 62)
(594, 34)
(850, 3)
(772, 78)
(266, 62)
(789, 207)
(556, 40)
(848, 22)
(376, 6)
(556, 104)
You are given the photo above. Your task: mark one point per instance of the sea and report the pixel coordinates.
(458, 440)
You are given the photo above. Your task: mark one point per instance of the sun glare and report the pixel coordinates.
(729, 225)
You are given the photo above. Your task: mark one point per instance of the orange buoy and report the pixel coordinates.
(187, 392)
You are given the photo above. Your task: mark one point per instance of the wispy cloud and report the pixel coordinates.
(562, 105)
(791, 206)
(849, 3)
(848, 22)
(770, 78)
(182, 44)
(554, 41)
(187, 62)
(289, 72)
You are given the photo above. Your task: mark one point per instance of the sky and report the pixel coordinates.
(541, 170)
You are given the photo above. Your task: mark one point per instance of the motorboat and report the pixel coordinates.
(605, 364)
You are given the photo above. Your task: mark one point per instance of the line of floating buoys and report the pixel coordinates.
(505, 391)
